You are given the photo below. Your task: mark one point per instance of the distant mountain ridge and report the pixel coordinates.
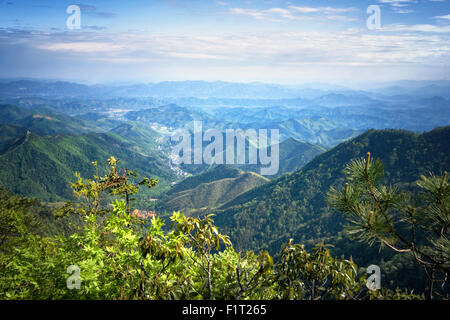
(219, 89)
(205, 89)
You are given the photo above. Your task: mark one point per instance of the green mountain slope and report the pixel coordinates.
(42, 166)
(294, 154)
(45, 121)
(11, 114)
(213, 174)
(144, 139)
(10, 135)
(294, 205)
(209, 189)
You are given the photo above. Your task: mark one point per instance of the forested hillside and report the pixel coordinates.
(294, 154)
(208, 190)
(294, 205)
(43, 166)
(46, 121)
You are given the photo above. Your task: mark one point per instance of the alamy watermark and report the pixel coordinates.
(374, 280)
(192, 149)
(74, 280)
(74, 20)
(374, 20)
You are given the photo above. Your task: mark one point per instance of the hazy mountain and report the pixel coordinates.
(11, 114)
(172, 89)
(35, 88)
(339, 99)
(220, 90)
(317, 130)
(417, 89)
(170, 115)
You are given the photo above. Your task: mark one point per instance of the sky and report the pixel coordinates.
(286, 42)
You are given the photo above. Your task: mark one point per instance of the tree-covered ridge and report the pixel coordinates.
(10, 136)
(114, 255)
(294, 205)
(43, 166)
(208, 190)
(45, 121)
(212, 174)
(293, 155)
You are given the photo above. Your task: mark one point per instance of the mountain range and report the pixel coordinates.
(49, 130)
(294, 205)
(205, 89)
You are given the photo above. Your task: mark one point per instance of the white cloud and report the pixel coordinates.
(82, 47)
(446, 17)
(416, 28)
(351, 47)
(254, 13)
(399, 6)
(403, 11)
(325, 10)
(285, 55)
(292, 13)
(397, 2)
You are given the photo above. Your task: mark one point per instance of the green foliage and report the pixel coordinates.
(415, 224)
(120, 256)
(387, 294)
(315, 275)
(295, 205)
(114, 183)
(23, 249)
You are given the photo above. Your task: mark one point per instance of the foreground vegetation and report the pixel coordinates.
(107, 253)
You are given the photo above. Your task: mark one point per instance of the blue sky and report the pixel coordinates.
(269, 41)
